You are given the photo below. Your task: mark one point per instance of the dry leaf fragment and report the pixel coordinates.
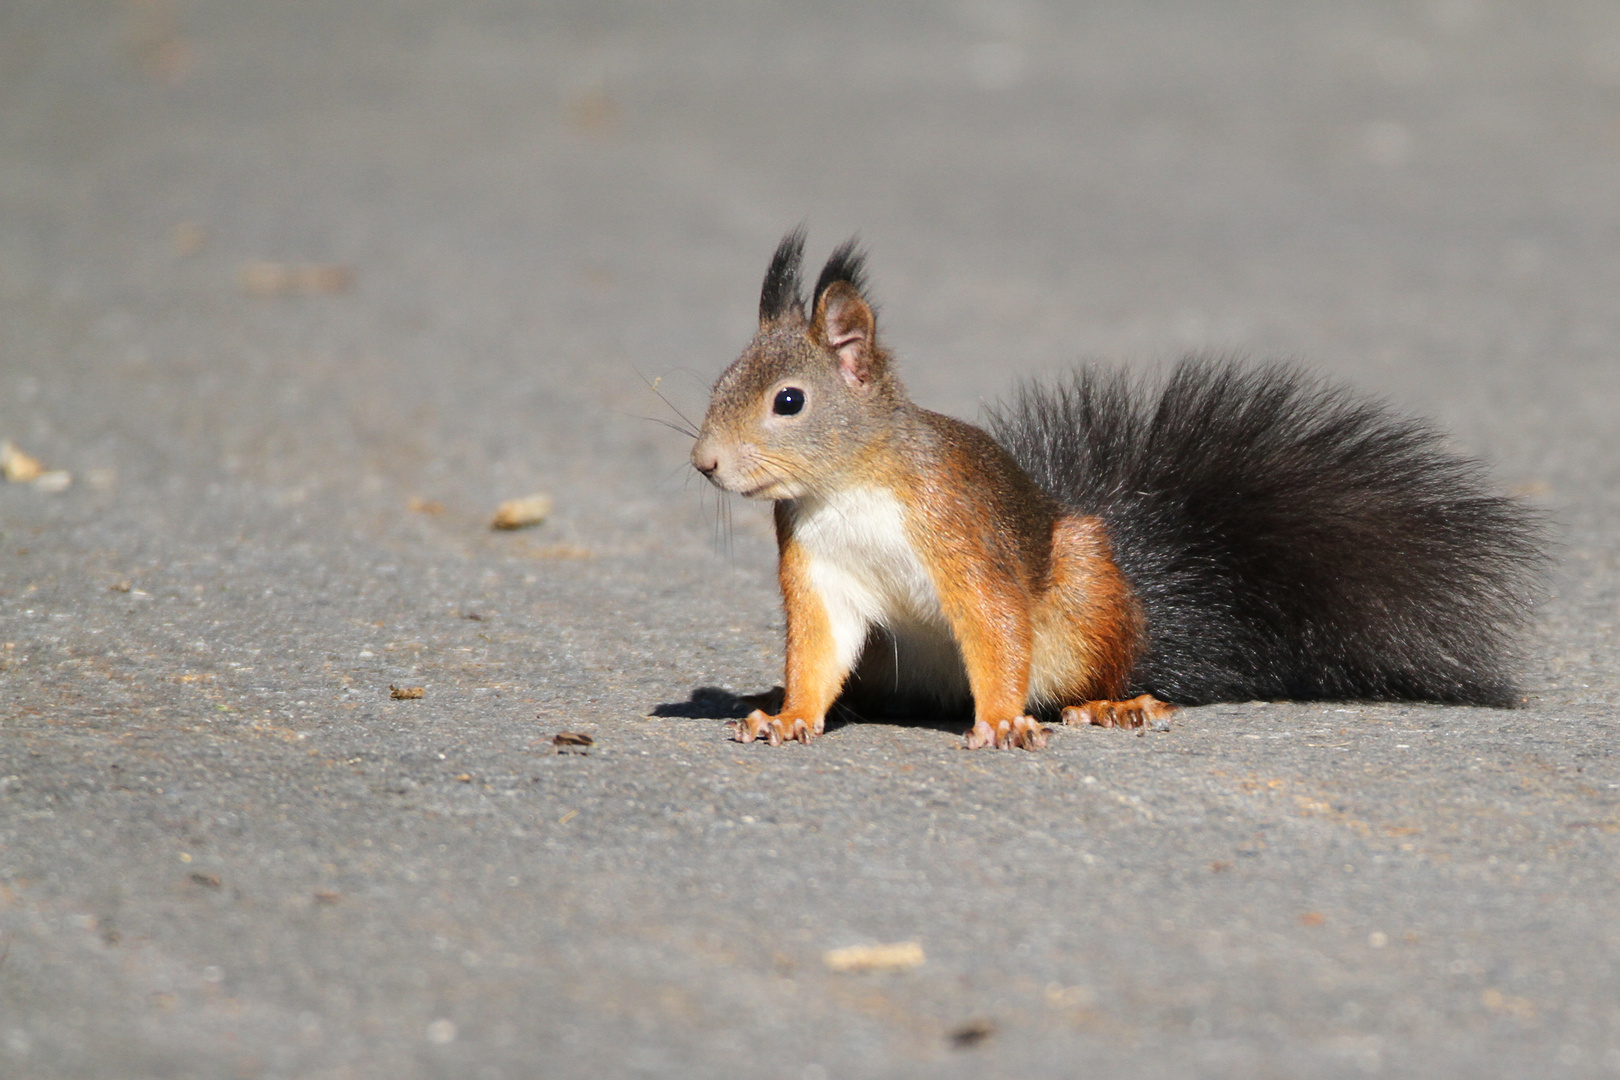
(287, 279)
(21, 468)
(572, 742)
(405, 693)
(17, 466)
(900, 956)
(972, 1033)
(516, 513)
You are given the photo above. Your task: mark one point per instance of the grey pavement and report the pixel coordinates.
(227, 851)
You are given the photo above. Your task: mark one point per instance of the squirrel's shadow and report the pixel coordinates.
(715, 703)
(710, 703)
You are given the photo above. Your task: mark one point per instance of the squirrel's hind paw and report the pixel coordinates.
(774, 729)
(1024, 732)
(1137, 712)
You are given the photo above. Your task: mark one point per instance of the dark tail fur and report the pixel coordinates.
(1288, 539)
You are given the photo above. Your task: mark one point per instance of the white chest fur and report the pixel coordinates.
(864, 567)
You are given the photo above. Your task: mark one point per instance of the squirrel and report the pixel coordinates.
(1107, 551)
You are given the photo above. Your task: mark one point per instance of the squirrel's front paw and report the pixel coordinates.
(1025, 732)
(775, 729)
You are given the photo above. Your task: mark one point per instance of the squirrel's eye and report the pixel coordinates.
(788, 401)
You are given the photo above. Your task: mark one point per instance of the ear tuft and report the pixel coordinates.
(847, 264)
(781, 298)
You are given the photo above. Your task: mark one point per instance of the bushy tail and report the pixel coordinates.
(1288, 539)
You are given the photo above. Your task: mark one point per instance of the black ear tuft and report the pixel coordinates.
(847, 263)
(780, 297)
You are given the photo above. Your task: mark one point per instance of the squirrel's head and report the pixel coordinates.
(798, 409)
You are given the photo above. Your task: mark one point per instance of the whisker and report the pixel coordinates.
(784, 471)
(653, 386)
(671, 474)
(690, 434)
(778, 469)
(894, 643)
(715, 531)
(701, 381)
(731, 530)
(846, 713)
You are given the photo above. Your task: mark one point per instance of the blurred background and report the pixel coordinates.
(518, 207)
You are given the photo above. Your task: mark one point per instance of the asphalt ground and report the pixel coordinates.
(299, 292)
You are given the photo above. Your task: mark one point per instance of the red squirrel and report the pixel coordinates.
(1107, 552)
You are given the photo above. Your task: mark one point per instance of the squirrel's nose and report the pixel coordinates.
(705, 461)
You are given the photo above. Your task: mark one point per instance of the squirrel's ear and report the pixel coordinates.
(845, 323)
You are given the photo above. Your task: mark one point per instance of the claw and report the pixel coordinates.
(748, 730)
(774, 729)
(1027, 734)
(1024, 732)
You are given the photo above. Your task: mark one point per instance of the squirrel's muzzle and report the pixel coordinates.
(705, 458)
